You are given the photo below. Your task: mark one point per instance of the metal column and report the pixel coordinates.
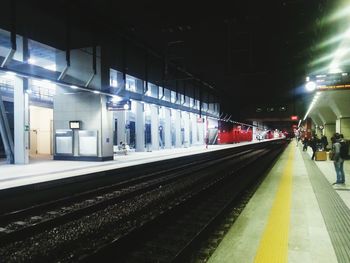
(6, 133)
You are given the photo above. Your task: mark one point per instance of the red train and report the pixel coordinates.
(234, 134)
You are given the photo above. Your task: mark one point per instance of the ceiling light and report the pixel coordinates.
(126, 106)
(334, 70)
(31, 60)
(51, 67)
(11, 73)
(96, 92)
(116, 99)
(310, 86)
(74, 87)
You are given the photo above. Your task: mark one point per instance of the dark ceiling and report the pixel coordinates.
(253, 52)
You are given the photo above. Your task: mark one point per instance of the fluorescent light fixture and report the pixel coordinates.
(314, 100)
(310, 86)
(96, 92)
(51, 67)
(74, 87)
(31, 61)
(344, 74)
(321, 76)
(342, 12)
(11, 73)
(334, 70)
(116, 99)
(307, 78)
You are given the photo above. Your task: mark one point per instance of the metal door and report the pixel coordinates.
(33, 142)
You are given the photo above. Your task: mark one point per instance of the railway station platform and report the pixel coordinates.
(296, 215)
(39, 171)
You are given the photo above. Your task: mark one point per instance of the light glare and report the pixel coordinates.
(310, 86)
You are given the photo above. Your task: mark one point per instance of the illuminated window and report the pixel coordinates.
(113, 78)
(130, 83)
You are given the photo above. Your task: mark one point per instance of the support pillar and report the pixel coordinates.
(121, 120)
(167, 129)
(201, 127)
(21, 121)
(154, 127)
(186, 118)
(178, 142)
(140, 128)
(329, 130)
(345, 127)
(337, 126)
(193, 123)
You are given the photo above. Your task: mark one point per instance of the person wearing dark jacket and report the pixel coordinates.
(313, 145)
(324, 142)
(338, 160)
(305, 144)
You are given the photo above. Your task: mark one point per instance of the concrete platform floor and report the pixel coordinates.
(303, 237)
(328, 170)
(44, 169)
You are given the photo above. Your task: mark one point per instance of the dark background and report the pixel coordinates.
(252, 53)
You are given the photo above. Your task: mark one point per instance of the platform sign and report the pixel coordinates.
(334, 87)
(119, 105)
(74, 125)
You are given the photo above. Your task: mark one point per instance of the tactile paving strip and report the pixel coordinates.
(334, 211)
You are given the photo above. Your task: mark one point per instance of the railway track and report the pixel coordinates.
(174, 236)
(114, 213)
(20, 224)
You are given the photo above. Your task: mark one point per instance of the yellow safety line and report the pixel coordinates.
(274, 242)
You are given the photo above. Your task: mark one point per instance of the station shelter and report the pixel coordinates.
(82, 105)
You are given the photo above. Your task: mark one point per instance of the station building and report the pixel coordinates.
(79, 103)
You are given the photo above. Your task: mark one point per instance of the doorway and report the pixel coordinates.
(40, 122)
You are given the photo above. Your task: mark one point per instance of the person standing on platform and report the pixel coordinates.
(305, 144)
(338, 160)
(324, 142)
(313, 145)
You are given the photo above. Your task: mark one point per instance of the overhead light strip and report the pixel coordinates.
(313, 102)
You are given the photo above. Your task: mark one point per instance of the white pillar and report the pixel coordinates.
(21, 122)
(154, 127)
(178, 143)
(193, 123)
(337, 126)
(201, 126)
(186, 118)
(254, 130)
(121, 126)
(167, 129)
(140, 128)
